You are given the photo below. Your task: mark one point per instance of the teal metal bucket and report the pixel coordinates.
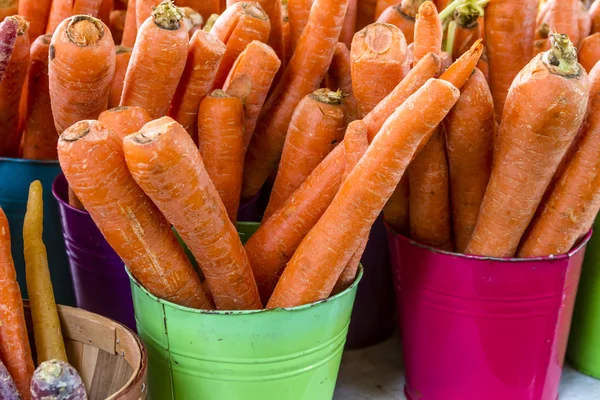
(291, 354)
(15, 177)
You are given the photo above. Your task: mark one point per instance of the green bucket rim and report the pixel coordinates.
(344, 293)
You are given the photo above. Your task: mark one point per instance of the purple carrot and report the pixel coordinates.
(8, 389)
(8, 37)
(57, 380)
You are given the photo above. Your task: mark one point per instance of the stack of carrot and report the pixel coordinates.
(471, 134)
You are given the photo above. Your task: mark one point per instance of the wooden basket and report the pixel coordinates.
(110, 358)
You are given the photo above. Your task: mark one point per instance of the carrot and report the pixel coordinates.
(106, 6)
(116, 24)
(239, 25)
(286, 29)
(8, 389)
(341, 76)
(469, 143)
(163, 159)
(221, 143)
(563, 17)
(428, 31)
(36, 12)
(509, 34)
(589, 51)
(442, 4)
(192, 19)
(298, 12)
(544, 109)
(378, 51)
(484, 66)
(204, 7)
(204, 56)
(143, 11)
(273, 10)
(157, 61)
(365, 14)
(91, 158)
(349, 26)
(573, 201)
(595, 16)
(8, 8)
(396, 210)
(121, 4)
(63, 9)
(403, 16)
(382, 5)
(317, 125)
(124, 121)
(584, 22)
(250, 79)
(11, 88)
(130, 28)
(122, 58)
(9, 29)
(319, 260)
(463, 20)
(39, 136)
(305, 71)
(277, 238)
(210, 22)
(49, 343)
(15, 352)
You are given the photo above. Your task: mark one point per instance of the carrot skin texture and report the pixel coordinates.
(298, 11)
(584, 22)
(469, 142)
(157, 62)
(395, 16)
(130, 28)
(36, 12)
(49, 342)
(239, 25)
(377, 51)
(122, 211)
(122, 58)
(366, 13)
(349, 26)
(428, 31)
(305, 71)
(8, 38)
(124, 121)
(277, 238)
(221, 143)
(318, 123)
(15, 352)
(143, 11)
(116, 24)
(396, 210)
(319, 260)
(62, 9)
(595, 16)
(509, 35)
(562, 16)
(158, 154)
(340, 72)
(39, 135)
(80, 91)
(203, 59)
(589, 51)
(250, 79)
(523, 167)
(383, 5)
(11, 89)
(205, 7)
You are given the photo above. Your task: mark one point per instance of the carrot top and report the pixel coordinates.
(460, 13)
(210, 22)
(84, 30)
(167, 15)
(22, 24)
(327, 96)
(561, 59)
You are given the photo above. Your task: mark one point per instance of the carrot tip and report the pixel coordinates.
(84, 30)
(76, 132)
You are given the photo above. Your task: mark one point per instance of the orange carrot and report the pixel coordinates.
(15, 352)
(341, 76)
(428, 31)
(286, 30)
(163, 159)
(396, 210)
(544, 109)
(250, 79)
(143, 11)
(573, 201)
(106, 6)
(8, 8)
(273, 10)
(321, 257)
(584, 22)
(11, 88)
(40, 136)
(589, 51)
(469, 142)
(277, 238)
(124, 121)
(563, 17)
(349, 26)
(204, 7)
(442, 4)
(36, 12)
(116, 24)
(298, 11)
(509, 33)
(122, 58)
(463, 21)
(79, 90)
(91, 157)
(192, 19)
(239, 25)
(382, 5)
(157, 61)
(378, 51)
(595, 16)
(365, 14)
(130, 28)
(484, 66)
(221, 143)
(403, 16)
(203, 58)
(62, 9)
(305, 71)
(317, 125)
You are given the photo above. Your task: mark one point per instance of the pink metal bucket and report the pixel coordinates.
(476, 328)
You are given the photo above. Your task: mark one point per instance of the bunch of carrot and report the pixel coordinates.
(17, 377)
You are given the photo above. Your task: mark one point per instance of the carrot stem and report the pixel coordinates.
(562, 54)
(167, 16)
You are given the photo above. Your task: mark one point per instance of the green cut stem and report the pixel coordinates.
(562, 54)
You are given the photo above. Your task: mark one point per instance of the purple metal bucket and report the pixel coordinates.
(99, 278)
(478, 328)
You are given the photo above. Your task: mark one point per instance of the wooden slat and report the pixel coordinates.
(112, 373)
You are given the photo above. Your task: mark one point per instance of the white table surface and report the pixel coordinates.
(376, 373)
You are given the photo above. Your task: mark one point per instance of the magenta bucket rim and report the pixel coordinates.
(60, 199)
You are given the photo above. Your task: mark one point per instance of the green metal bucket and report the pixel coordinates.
(583, 352)
(291, 354)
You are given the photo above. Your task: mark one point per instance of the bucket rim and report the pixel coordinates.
(60, 198)
(167, 303)
(576, 249)
(28, 161)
